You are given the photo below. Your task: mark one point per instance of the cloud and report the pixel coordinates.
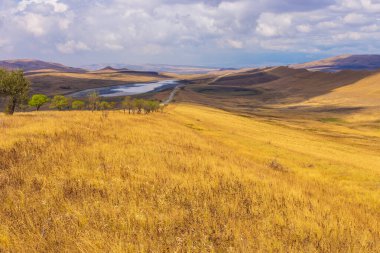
(235, 43)
(355, 18)
(271, 25)
(304, 28)
(180, 30)
(72, 46)
(55, 4)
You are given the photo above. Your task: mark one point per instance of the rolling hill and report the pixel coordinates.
(36, 65)
(273, 86)
(342, 62)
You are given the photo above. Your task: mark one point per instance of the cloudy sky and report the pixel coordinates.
(193, 32)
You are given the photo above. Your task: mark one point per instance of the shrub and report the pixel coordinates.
(38, 100)
(59, 102)
(93, 101)
(78, 105)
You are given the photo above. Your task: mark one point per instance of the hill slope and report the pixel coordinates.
(365, 92)
(343, 62)
(269, 86)
(33, 65)
(192, 179)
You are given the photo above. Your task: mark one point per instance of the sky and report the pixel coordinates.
(220, 33)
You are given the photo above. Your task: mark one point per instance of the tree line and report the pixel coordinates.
(15, 88)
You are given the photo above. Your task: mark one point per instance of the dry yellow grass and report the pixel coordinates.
(193, 179)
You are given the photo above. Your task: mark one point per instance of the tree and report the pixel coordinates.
(93, 100)
(138, 104)
(104, 105)
(15, 87)
(59, 102)
(78, 105)
(127, 104)
(112, 105)
(38, 100)
(151, 106)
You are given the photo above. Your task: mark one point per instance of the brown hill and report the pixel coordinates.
(342, 62)
(29, 65)
(284, 90)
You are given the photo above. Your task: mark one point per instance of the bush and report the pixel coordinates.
(78, 105)
(59, 102)
(38, 100)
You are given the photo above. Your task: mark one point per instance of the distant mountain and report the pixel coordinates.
(29, 65)
(179, 69)
(342, 62)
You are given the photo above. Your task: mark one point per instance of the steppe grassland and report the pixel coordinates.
(190, 179)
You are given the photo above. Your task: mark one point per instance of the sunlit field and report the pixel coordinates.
(191, 179)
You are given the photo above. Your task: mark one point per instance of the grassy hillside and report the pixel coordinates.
(365, 92)
(193, 179)
(283, 92)
(272, 86)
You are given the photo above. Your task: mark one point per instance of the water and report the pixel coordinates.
(129, 89)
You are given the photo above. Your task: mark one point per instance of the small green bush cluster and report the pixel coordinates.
(141, 105)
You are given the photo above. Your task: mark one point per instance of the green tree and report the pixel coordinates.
(151, 106)
(93, 101)
(112, 105)
(138, 104)
(78, 105)
(38, 100)
(104, 105)
(59, 102)
(127, 104)
(15, 87)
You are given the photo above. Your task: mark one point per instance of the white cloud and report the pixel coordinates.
(34, 24)
(355, 18)
(348, 36)
(235, 43)
(271, 25)
(370, 28)
(55, 4)
(72, 46)
(304, 28)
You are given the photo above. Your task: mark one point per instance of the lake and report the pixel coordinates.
(129, 89)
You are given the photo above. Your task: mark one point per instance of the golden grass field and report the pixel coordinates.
(192, 179)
